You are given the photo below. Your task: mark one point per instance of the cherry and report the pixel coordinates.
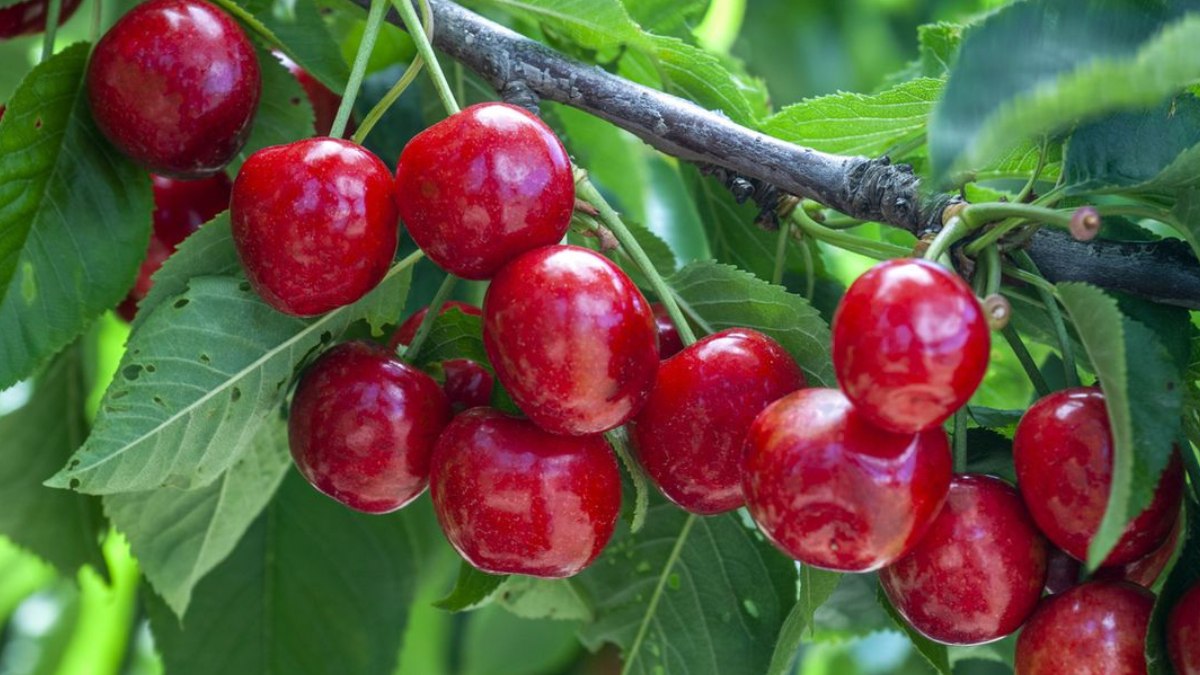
(1183, 633)
(175, 85)
(832, 490)
(571, 339)
(483, 186)
(325, 102)
(978, 572)
(513, 499)
(29, 17)
(910, 344)
(1063, 453)
(467, 383)
(669, 342)
(1096, 628)
(180, 208)
(1146, 570)
(363, 426)
(314, 224)
(691, 435)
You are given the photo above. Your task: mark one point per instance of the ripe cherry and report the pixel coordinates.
(571, 339)
(314, 224)
(467, 383)
(1063, 452)
(180, 208)
(483, 186)
(1183, 633)
(29, 17)
(175, 85)
(324, 102)
(978, 572)
(832, 490)
(513, 499)
(910, 344)
(363, 426)
(669, 342)
(1098, 627)
(691, 435)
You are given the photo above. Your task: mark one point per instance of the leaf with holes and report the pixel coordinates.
(198, 379)
(207, 252)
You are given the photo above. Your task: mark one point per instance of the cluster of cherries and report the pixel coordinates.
(855, 479)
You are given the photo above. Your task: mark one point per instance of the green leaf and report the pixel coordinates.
(858, 124)
(496, 643)
(60, 527)
(533, 598)
(1077, 62)
(1179, 579)
(593, 24)
(200, 375)
(614, 157)
(720, 296)
(689, 594)
(634, 480)
(74, 217)
(935, 654)
(298, 29)
(990, 453)
(667, 17)
(179, 536)
(816, 586)
(1187, 214)
(207, 252)
(1143, 396)
(284, 112)
(851, 611)
(455, 335)
(312, 588)
(472, 590)
(701, 77)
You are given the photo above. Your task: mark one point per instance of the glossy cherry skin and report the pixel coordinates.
(29, 17)
(363, 426)
(1098, 628)
(669, 342)
(324, 102)
(467, 383)
(1063, 453)
(690, 436)
(483, 186)
(978, 572)
(834, 491)
(1183, 633)
(314, 224)
(571, 339)
(175, 85)
(513, 499)
(910, 344)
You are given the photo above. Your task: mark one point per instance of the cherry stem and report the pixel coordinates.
(1031, 369)
(1013, 215)
(810, 274)
(359, 70)
(1056, 318)
(97, 19)
(385, 103)
(781, 252)
(960, 440)
(426, 327)
(949, 235)
(588, 192)
(991, 261)
(879, 250)
(425, 49)
(53, 11)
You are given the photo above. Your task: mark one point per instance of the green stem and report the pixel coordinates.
(1028, 189)
(952, 232)
(53, 11)
(960, 440)
(612, 221)
(810, 274)
(1137, 211)
(879, 250)
(97, 19)
(978, 214)
(435, 308)
(359, 70)
(1035, 280)
(781, 253)
(1056, 318)
(388, 99)
(425, 49)
(991, 260)
(1031, 369)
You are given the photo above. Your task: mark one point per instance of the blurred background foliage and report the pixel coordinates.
(93, 625)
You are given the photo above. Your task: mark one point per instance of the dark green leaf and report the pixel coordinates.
(851, 611)
(472, 590)
(935, 654)
(990, 453)
(816, 586)
(298, 29)
(284, 112)
(1184, 576)
(74, 217)
(1187, 212)
(60, 527)
(455, 335)
(699, 76)
(718, 296)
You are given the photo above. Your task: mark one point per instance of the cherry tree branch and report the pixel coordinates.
(860, 187)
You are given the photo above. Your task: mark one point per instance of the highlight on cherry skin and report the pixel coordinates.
(363, 425)
(832, 490)
(1097, 627)
(514, 499)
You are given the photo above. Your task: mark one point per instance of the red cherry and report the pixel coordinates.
(669, 342)
(174, 85)
(1097, 628)
(324, 102)
(408, 330)
(571, 338)
(1183, 633)
(910, 344)
(314, 224)
(513, 499)
(832, 490)
(29, 17)
(483, 186)
(1144, 571)
(1063, 453)
(691, 435)
(978, 572)
(363, 426)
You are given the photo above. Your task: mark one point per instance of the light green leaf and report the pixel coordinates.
(851, 611)
(74, 217)
(816, 586)
(472, 590)
(935, 654)
(699, 76)
(666, 17)
(613, 157)
(594, 24)
(1143, 396)
(720, 296)
(284, 112)
(298, 29)
(179, 536)
(201, 374)
(533, 598)
(207, 252)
